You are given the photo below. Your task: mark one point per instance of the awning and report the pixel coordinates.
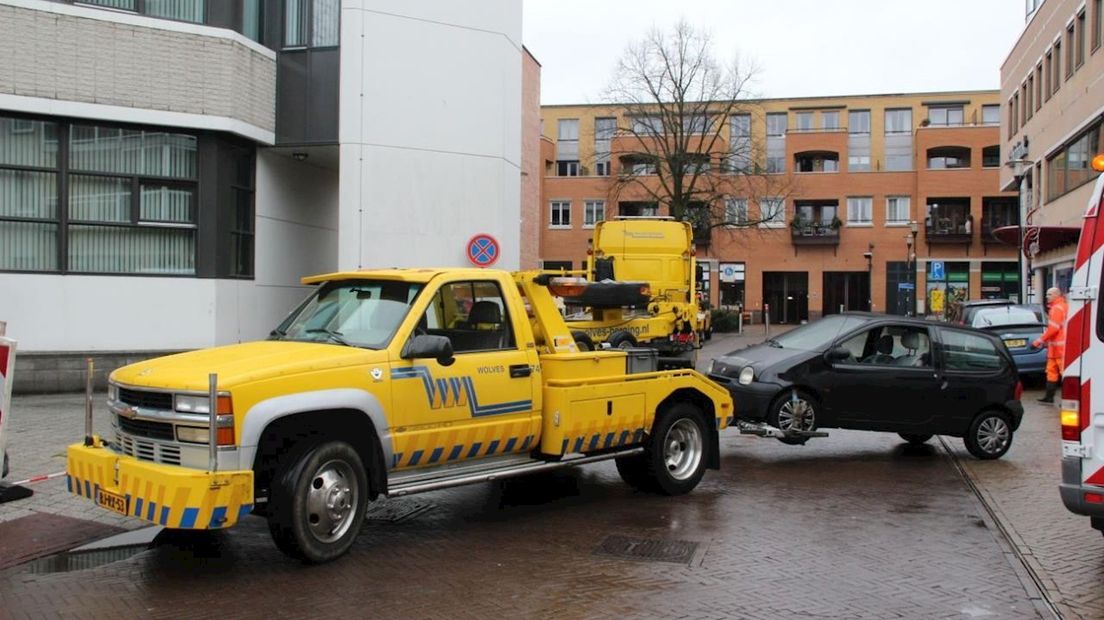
(1049, 237)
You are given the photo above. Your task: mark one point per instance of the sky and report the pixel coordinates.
(802, 47)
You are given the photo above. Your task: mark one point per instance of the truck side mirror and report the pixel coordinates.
(424, 345)
(839, 354)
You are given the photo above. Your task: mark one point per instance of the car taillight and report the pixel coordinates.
(1019, 390)
(1075, 408)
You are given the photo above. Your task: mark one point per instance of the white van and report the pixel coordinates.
(1082, 414)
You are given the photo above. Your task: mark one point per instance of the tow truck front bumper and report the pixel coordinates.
(168, 495)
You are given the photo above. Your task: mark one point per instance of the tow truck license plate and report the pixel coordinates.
(113, 502)
(1015, 344)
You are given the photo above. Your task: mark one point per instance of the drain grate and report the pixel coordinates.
(395, 510)
(82, 560)
(647, 550)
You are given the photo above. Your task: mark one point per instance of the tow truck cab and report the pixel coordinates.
(1082, 410)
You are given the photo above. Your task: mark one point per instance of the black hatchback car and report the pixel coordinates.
(880, 373)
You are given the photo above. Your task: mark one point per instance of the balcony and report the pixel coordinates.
(949, 221)
(814, 234)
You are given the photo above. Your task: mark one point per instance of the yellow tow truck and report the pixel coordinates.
(643, 290)
(388, 382)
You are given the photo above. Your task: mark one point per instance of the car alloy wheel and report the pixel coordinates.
(796, 414)
(993, 434)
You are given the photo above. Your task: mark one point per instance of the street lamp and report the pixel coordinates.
(910, 241)
(869, 256)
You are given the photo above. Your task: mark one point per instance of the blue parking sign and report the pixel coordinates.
(937, 272)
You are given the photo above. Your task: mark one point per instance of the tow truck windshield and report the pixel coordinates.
(357, 313)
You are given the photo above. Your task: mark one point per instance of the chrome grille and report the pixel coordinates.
(143, 449)
(147, 428)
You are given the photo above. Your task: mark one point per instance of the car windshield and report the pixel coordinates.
(818, 334)
(1008, 315)
(359, 313)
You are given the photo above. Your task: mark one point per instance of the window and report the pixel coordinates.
(1080, 28)
(1038, 95)
(776, 124)
(1029, 92)
(179, 10)
(945, 116)
(594, 211)
(1098, 24)
(311, 23)
(241, 228)
(697, 123)
(990, 156)
(897, 209)
(567, 147)
(604, 130)
(638, 209)
(739, 129)
(736, 211)
(948, 157)
(362, 313)
(1058, 65)
(965, 351)
(772, 212)
(1071, 167)
(898, 141)
(560, 214)
(829, 120)
(803, 121)
(1071, 43)
(816, 161)
(472, 315)
(1048, 85)
(990, 114)
(567, 168)
(858, 121)
(858, 163)
(859, 211)
(1025, 111)
(647, 126)
(131, 199)
(898, 121)
(890, 345)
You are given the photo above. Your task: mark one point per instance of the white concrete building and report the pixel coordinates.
(168, 170)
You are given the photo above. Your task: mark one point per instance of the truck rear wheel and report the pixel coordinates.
(621, 340)
(318, 503)
(582, 341)
(675, 451)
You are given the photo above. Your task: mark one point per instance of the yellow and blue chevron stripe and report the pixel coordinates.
(457, 392)
(165, 495)
(470, 441)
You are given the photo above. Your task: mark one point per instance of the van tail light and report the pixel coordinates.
(1075, 408)
(1019, 390)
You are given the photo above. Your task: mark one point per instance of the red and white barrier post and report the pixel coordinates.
(7, 369)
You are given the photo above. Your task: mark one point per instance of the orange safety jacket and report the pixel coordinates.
(1055, 334)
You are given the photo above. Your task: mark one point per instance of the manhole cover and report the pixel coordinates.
(82, 560)
(648, 550)
(395, 510)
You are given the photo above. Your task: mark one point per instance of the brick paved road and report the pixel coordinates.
(855, 525)
(1022, 490)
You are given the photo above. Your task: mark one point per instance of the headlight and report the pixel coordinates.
(193, 404)
(712, 367)
(112, 392)
(747, 375)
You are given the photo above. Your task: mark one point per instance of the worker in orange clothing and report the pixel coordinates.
(1055, 339)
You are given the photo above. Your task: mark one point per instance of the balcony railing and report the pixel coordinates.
(814, 234)
(949, 234)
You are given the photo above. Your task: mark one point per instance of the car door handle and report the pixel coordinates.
(520, 370)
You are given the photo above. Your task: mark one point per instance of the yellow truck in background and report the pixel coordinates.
(643, 291)
(388, 383)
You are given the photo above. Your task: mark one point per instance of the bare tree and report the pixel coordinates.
(673, 144)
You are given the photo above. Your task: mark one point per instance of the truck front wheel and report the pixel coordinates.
(675, 452)
(318, 503)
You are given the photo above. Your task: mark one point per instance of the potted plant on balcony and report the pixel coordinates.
(796, 224)
(836, 224)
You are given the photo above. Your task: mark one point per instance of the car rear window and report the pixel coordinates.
(965, 351)
(1008, 315)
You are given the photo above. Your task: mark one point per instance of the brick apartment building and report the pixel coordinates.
(1053, 98)
(856, 182)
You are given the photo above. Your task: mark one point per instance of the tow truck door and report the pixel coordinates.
(481, 404)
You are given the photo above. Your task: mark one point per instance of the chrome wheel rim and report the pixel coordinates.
(682, 449)
(993, 434)
(796, 414)
(625, 344)
(332, 501)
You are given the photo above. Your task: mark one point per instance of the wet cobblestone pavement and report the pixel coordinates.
(856, 525)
